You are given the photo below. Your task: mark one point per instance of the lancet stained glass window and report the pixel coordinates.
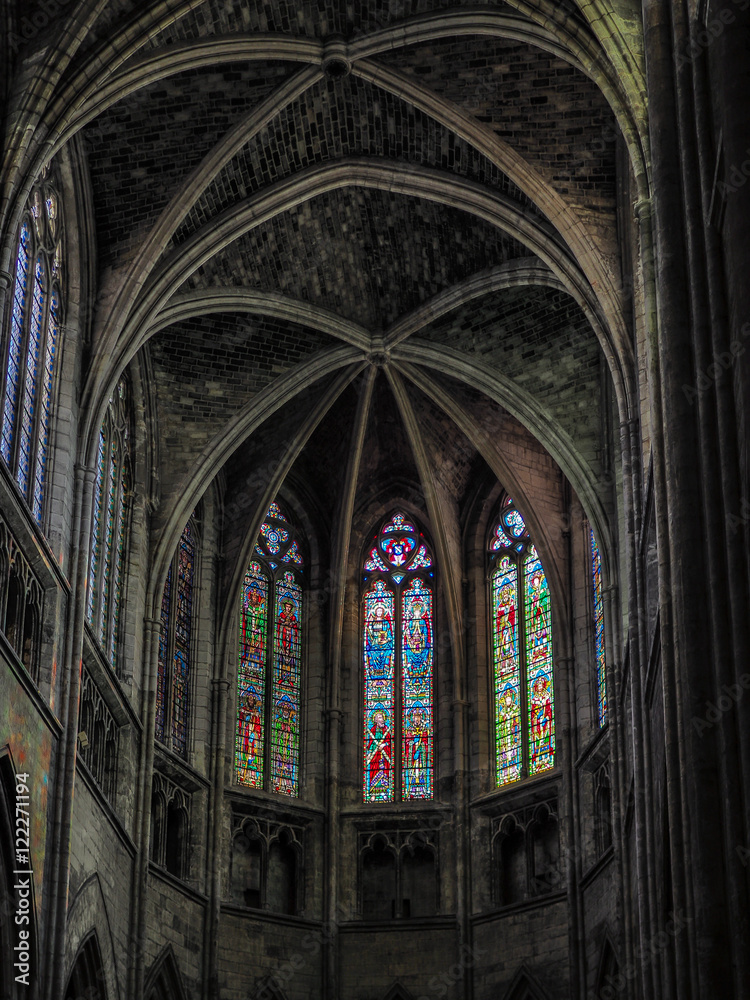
(175, 645)
(599, 653)
(31, 349)
(398, 660)
(269, 672)
(521, 636)
(110, 510)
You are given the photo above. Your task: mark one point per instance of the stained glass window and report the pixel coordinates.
(34, 324)
(109, 523)
(269, 674)
(521, 638)
(599, 654)
(398, 665)
(175, 645)
(251, 680)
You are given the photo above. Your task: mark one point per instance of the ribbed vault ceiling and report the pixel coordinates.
(288, 196)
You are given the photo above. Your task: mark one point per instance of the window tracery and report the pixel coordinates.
(32, 342)
(171, 808)
(398, 658)
(109, 530)
(398, 873)
(97, 736)
(175, 645)
(267, 744)
(266, 867)
(526, 853)
(521, 631)
(21, 600)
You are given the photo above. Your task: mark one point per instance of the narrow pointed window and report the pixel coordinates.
(521, 637)
(32, 344)
(173, 688)
(109, 526)
(398, 663)
(599, 653)
(269, 673)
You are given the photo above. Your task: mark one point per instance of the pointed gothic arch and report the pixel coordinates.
(268, 731)
(398, 992)
(266, 988)
(163, 981)
(31, 340)
(525, 986)
(87, 977)
(521, 639)
(174, 690)
(609, 968)
(398, 628)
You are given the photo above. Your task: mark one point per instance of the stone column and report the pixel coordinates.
(65, 764)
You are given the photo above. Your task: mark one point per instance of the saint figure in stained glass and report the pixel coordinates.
(398, 665)
(379, 758)
(599, 653)
(287, 642)
(251, 677)
(379, 644)
(521, 651)
(417, 756)
(269, 687)
(507, 673)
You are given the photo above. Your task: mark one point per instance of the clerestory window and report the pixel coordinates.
(398, 661)
(269, 675)
(32, 343)
(110, 517)
(176, 644)
(521, 636)
(599, 648)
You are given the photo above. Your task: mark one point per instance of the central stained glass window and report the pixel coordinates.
(267, 745)
(521, 635)
(398, 658)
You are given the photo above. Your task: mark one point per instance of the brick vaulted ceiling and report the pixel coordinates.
(288, 195)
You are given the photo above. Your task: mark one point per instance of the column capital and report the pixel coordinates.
(643, 209)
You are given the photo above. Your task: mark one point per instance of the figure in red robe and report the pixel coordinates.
(379, 757)
(251, 736)
(505, 622)
(541, 719)
(287, 643)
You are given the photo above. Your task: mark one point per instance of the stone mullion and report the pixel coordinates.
(65, 768)
(333, 707)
